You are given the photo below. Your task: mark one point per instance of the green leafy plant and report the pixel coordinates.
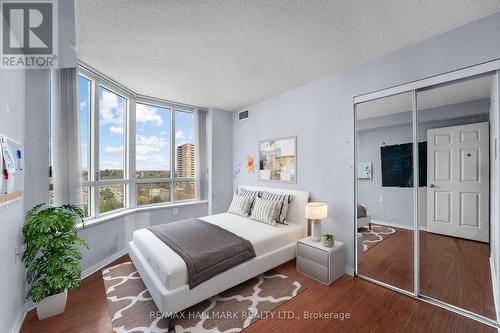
(52, 257)
(327, 236)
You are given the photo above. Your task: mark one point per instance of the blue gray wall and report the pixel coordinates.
(220, 143)
(12, 116)
(397, 204)
(321, 115)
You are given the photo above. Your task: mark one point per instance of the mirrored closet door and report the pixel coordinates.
(454, 196)
(385, 202)
(427, 159)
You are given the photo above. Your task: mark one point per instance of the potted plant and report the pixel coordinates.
(327, 239)
(52, 256)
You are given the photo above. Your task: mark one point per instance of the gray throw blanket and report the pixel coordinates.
(206, 248)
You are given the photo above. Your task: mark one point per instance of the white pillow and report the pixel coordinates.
(265, 211)
(241, 205)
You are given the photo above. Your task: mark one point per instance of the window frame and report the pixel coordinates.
(130, 180)
(173, 179)
(94, 182)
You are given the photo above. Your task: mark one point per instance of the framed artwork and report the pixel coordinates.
(12, 164)
(278, 160)
(365, 171)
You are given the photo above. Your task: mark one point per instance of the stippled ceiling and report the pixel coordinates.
(230, 54)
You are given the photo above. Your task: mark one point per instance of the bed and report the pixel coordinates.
(165, 273)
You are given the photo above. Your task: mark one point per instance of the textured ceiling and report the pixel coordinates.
(230, 54)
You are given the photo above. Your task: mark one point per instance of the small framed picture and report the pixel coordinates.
(365, 171)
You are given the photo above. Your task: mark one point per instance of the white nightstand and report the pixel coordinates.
(325, 264)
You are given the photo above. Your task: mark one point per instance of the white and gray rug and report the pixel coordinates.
(131, 306)
(374, 236)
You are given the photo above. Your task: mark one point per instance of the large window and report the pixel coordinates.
(161, 168)
(103, 146)
(158, 130)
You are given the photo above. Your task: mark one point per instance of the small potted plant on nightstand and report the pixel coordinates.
(52, 257)
(327, 239)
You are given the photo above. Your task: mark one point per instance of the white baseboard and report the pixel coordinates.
(28, 306)
(19, 321)
(397, 225)
(106, 261)
(494, 283)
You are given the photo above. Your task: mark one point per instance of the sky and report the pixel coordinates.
(152, 131)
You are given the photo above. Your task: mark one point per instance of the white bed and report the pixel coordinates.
(165, 273)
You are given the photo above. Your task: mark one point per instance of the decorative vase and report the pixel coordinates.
(316, 230)
(52, 305)
(327, 242)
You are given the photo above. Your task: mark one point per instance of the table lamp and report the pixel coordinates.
(315, 211)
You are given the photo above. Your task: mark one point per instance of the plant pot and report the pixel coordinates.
(52, 305)
(327, 242)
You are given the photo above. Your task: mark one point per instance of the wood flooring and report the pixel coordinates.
(370, 308)
(454, 270)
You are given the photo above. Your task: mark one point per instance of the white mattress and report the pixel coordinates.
(172, 270)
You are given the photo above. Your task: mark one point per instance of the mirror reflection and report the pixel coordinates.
(385, 196)
(454, 207)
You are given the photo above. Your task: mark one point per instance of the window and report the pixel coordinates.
(158, 131)
(153, 134)
(184, 156)
(162, 167)
(103, 128)
(84, 92)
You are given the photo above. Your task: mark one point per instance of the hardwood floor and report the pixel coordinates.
(371, 309)
(454, 270)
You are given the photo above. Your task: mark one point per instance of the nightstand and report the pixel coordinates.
(325, 264)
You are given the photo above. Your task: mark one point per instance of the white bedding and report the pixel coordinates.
(172, 270)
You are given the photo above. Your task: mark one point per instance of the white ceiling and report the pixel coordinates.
(454, 93)
(230, 54)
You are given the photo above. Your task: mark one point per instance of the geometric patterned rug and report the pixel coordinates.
(132, 309)
(376, 235)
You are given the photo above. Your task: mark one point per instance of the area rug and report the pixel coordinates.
(132, 309)
(374, 236)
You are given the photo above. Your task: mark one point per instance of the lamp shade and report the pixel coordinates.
(316, 210)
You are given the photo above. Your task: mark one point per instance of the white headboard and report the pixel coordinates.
(297, 209)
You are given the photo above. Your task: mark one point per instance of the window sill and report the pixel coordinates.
(127, 211)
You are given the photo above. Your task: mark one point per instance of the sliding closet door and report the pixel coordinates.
(385, 199)
(454, 193)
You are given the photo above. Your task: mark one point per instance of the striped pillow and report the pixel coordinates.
(248, 193)
(265, 211)
(240, 205)
(284, 201)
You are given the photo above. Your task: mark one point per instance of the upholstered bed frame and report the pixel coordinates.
(172, 301)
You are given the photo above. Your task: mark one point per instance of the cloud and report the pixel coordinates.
(83, 105)
(151, 152)
(179, 134)
(116, 129)
(147, 114)
(111, 108)
(113, 150)
(163, 133)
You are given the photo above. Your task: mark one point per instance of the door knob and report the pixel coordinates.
(432, 185)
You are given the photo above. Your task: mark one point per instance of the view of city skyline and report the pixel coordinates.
(153, 133)
(152, 149)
